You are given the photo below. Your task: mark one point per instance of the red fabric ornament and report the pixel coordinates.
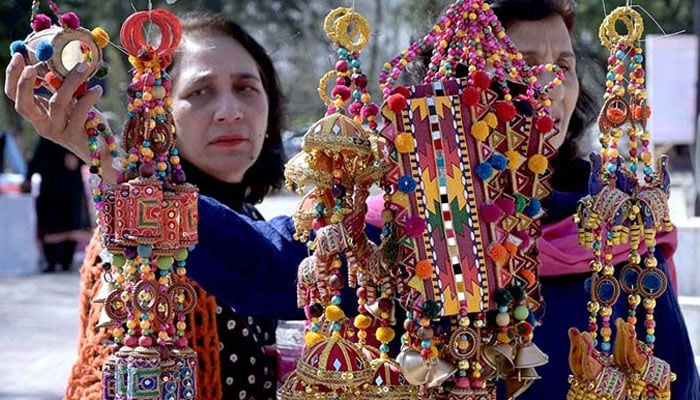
(544, 124)
(470, 96)
(505, 110)
(397, 102)
(481, 80)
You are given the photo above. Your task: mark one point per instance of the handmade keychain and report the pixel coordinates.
(621, 208)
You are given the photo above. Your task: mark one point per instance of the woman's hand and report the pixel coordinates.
(61, 118)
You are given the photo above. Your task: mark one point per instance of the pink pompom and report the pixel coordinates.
(506, 205)
(130, 341)
(342, 91)
(181, 342)
(525, 238)
(41, 22)
(355, 108)
(70, 20)
(369, 110)
(415, 226)
(491, 213)
(145, 341)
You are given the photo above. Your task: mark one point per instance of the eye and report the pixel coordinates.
(248, 89)
(197, 93)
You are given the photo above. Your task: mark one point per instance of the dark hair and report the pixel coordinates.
(510, 11)
(267, 173)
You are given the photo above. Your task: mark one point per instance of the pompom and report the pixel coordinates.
(415, 226)
(498, 254)
(397, 102)
(480, 130)
(81, 90)
(311, 338)
(615, 115)
(642, 112)
(424, 269)
(524, 328)
(334, 313)
(533, 209)
(498, 161)
(522, 235)
(491, 213)
(18, 47)
(518, 292)
(537, 163)
(484, 171)
(529, 277)
(505, 110)
(101, 37)
(404, 143)
(385, 334)
(402, 91)
(513, 159)
(544, 124)
(491, 120)
(355, 108)
(70, 20)
(506, 205)
(41, 22)
(520, 203)
(53, 80)
(481, 80)
(362, 322)
(44, 51)
(470, 96)
(369, 110)
(503, 297)
(511, 247)
(342, 91)
(523, 107)
(407, 184)
(431, 309)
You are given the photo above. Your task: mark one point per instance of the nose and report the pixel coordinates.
(229, 109)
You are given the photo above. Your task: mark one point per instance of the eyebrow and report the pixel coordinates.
(563, 54)
(205, 77)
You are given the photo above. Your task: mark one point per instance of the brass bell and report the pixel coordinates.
(104, 320)
(530, 356)
(104, 291)
(377, 313)
(419, 372)
(521, 383)
(500, 358)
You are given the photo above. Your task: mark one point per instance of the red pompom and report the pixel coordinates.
(402, 90)
(506, 205)
(397, 102)
(81, 90)
(490, 213)
(505, 110)
(481, 80)
(70, 20)
(544, 124)
(41, 22)
(470, 96)
(342, 91)
(369, 110)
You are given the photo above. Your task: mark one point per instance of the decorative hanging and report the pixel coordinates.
(148, 220)
(620, 209)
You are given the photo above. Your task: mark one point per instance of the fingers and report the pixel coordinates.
(80, 111)
(61, 100)
(24, 94)
(12, 74)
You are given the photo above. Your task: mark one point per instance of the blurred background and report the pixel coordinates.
(38, 312)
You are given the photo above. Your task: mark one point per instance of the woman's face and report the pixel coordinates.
(219, 105)
(548, 41)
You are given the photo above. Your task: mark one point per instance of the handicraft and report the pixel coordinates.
(463, 161)
(339, 160)
(468, 159)
(627, 204)
(148, 220)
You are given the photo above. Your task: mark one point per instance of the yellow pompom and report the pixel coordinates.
(405, 143)
(334, 313)
(312, 338)
(513, 159)
(362, 322)
(503, 337)
(385, 334)
(491, 120)
(537, 163)
(480, 130)
(101, 37)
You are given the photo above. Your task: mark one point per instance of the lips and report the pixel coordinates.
(229, 140)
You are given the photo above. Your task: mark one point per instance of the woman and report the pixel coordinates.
(228, 113)
(543, 31)
(267, 266)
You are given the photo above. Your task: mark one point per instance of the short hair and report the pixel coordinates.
(267, 172)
